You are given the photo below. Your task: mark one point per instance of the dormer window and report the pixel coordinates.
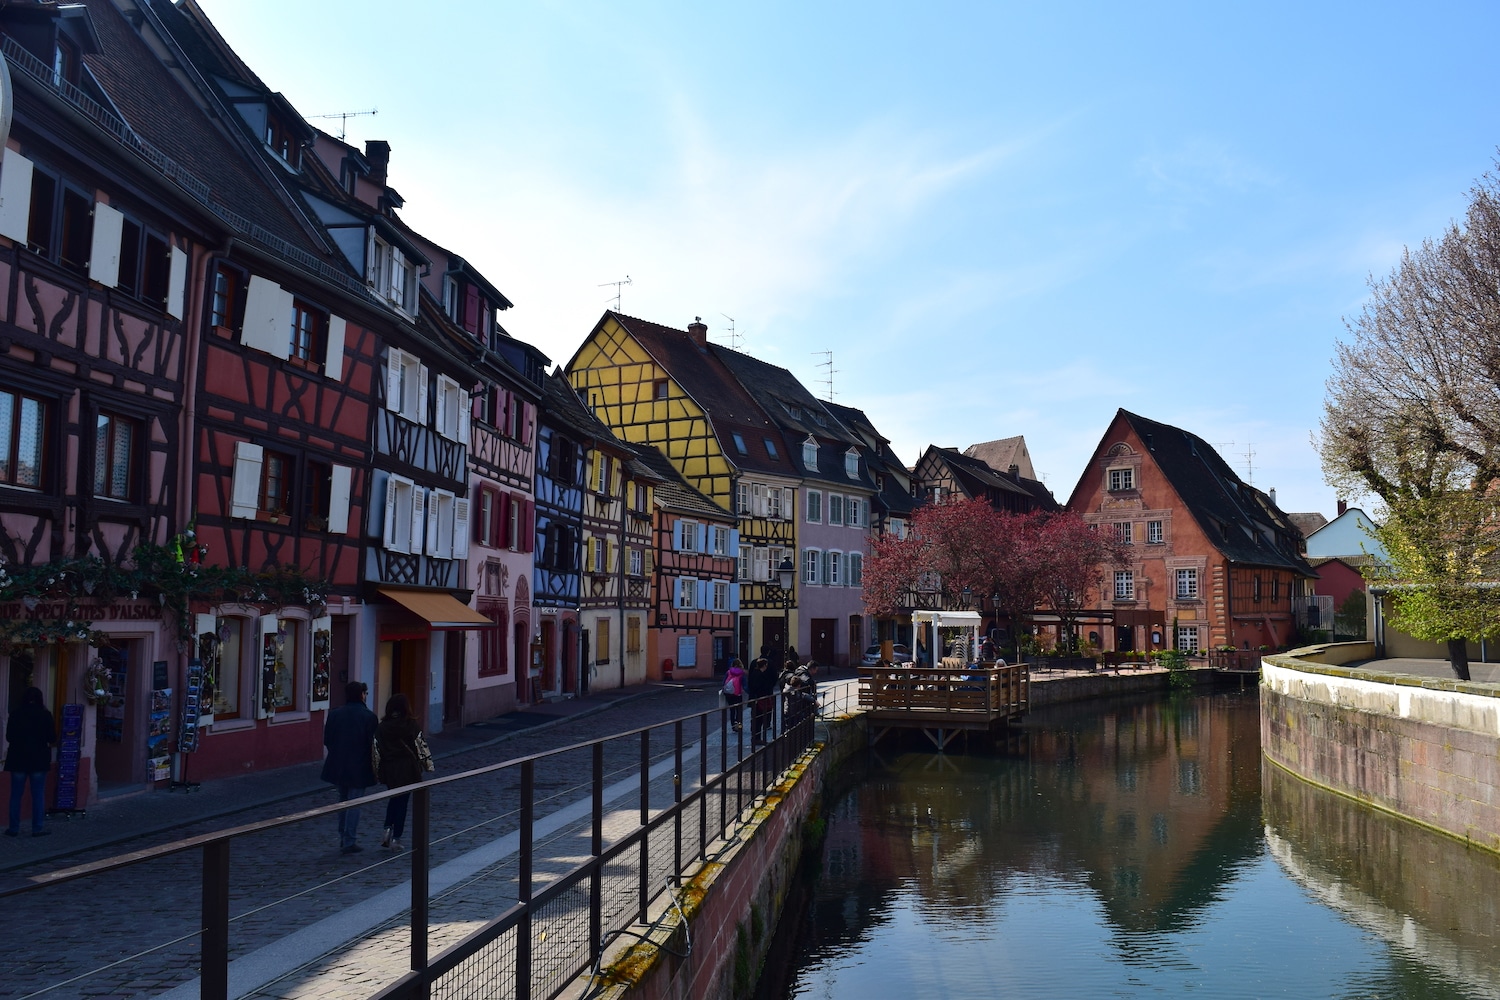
(771, 448)
(810, 454)
(282, 142)
(739, 443)
(65, 62)
(392, 276)
(851, 464)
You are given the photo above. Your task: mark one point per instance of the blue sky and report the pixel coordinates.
(1001, 219)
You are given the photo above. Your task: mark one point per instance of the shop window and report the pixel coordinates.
(115, 461)
(226, 695)
(23, 434)
(288, 645)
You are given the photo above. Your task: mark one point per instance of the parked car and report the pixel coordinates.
(899, 654)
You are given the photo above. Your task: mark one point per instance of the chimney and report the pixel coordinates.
(1272, 495)
(378, 153)
(698, 330)
(1343, 507)
(1015, 472)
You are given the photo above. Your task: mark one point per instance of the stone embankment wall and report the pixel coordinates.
(1049, 689)
(1419, 747)
(732, 906)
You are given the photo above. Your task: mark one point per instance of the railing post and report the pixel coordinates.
(723, 772)
(703, 787)
(596, 847)
(677, 801)
(421, 847)
(523, 880)
(645, 880)
(214, 973)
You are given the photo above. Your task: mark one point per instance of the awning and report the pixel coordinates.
(438, 609)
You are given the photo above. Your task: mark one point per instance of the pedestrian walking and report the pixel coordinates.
(734, 692)
(30, 733)
(349, 733)
(402, 757)
(760, 687)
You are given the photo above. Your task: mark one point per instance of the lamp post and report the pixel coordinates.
(785, 576)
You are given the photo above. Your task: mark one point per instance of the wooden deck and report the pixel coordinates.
(942, 701)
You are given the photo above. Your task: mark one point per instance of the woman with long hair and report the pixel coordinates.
(403, 756)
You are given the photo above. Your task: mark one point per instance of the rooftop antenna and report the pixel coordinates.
(617, 286)
(1249, 454)
(734, 338)
(344, 116)
(827, 380)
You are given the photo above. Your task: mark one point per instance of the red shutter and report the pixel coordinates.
(476, 514)
(528, 516)
(502, 420)
(471, 309)
(502, 521)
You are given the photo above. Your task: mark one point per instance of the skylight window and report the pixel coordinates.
(739, 443)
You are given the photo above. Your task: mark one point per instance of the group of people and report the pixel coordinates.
(363, 750)
(796, 682)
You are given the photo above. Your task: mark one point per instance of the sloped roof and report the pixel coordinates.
(892, 495)
(562, 407)
(1308, 522)
(730, 408)
(976, 477)
(1002, 453)
(1240, 520)
(673, 493)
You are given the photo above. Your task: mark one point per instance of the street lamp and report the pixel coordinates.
(785, 575)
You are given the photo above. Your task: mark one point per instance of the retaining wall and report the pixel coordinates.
(1419, 747)
(1047, 690)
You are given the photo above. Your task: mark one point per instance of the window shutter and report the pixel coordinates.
(338, 500)
(421, 415)
(245, 491)
(460, 528)
(104, 251)
(444, 401)
(502, 410)
(823, 568)
(15, 197)
(702, 601)
(393, 379)
(418, 520)
(734, 597)
(761, 558)
(433, 548)
(677, 592)
(372, 257)
(265, 328)
(463, 418)
(333, 360)
(390, 512)
(528, 533)
(176, 282)
(700, 537)
(677, 536)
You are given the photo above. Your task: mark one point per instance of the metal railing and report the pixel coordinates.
(569, 904)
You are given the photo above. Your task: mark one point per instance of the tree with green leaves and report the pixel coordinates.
(1350, 616)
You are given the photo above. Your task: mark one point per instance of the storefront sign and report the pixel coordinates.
(124, 611)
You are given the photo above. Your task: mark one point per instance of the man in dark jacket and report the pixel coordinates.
(30, 733)
(348, 734)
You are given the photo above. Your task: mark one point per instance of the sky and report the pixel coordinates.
(999, 218)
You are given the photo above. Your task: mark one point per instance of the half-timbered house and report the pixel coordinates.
(696, 598)
(564, 431)
(670, 388)
(942, 473)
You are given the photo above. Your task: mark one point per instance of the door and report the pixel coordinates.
(856, 639)
(453, 680)
(774, 636)
(746, 625)
(824, 641)
(119, 752)
(1124, 638)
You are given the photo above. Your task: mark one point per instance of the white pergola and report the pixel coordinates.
(967, 620)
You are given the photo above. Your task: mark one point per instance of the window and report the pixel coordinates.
(834, 575)
(65, 62)
(114, 457)
(810, 454)
(1187, 584)
(1121, 479)
(687, 593)
(774, 555)
(1187, 638)
(1255, 589)
(685, 536)
(814, 507)
(226, 693)
(61, 221)
(285, 697)
(896, 527)
(811, 563)
(1124, 585)
(659, 389)
(309, 332)
(1154, 535)
(488, 502)
(771, 448)
(603, 472)
(221, 296)
(739, 443)
(835, 509)
(406, 386)
(598, 555)
(743, 572)
(493, 648)
(856, 569)
(452, 410)
(742, 498)
(1125, 533)
(761, 568)
(851, 464)
(720, 599)
(276, 483)
(773, 502)
(719, 540)
(282, 142)
(392, 276)
(405, 515)
(854, 513)
(144, 264)
(637, 563)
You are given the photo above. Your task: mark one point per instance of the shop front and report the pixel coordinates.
(419, 633)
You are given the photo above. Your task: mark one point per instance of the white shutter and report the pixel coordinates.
(15, 196)
(761, 559)
(372, 258)
(333, 360)
(338, 500)
(439, 527)
(324, 625)
(758, 503)
(104, 252)
(460, 529)
(265, 327)
(393, 379)
(421, 415)
(418, 519)
(265, 629)
(244, 496)
(398, 269)
(464, 415)
(391, 491)
(177, 282)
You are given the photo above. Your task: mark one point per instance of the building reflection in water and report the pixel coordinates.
(1430, 896)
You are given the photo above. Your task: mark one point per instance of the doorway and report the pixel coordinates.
(396, 672)
(454, 650)
(775, 636)
(824, 641)
(119, 754)
(856, 639)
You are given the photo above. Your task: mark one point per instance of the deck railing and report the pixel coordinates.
(986, 693)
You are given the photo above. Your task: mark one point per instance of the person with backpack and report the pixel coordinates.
(401, 757)
(760, 686)
(734, 692)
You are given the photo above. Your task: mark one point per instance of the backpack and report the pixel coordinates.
(729, 687)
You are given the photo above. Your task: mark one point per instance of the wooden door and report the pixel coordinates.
(824, 640)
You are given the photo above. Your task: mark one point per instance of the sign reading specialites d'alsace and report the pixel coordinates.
(122, 611)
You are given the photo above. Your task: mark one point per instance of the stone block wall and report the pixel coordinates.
(1422, 748)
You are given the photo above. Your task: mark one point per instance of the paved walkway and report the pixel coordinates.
(1487, 673)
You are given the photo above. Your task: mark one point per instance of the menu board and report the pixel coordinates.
(70, 749)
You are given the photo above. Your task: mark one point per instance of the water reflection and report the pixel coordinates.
(1115, 851)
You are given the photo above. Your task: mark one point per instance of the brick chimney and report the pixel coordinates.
(698, 330)
(1015, 473)
(1343, 507)
(378, 154)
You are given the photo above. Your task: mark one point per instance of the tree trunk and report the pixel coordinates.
(1458, 658)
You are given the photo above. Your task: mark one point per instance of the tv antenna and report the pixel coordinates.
(618, 286)
(344, 116)
(1249, 455)
(827, 380)
(734, 338)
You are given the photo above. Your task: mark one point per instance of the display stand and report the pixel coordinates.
(69, 754)
(187, 734)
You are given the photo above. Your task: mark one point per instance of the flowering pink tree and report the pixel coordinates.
(1073, 556)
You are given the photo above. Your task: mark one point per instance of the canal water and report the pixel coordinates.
(1131, 849)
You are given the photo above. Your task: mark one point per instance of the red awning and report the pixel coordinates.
(439, 609)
